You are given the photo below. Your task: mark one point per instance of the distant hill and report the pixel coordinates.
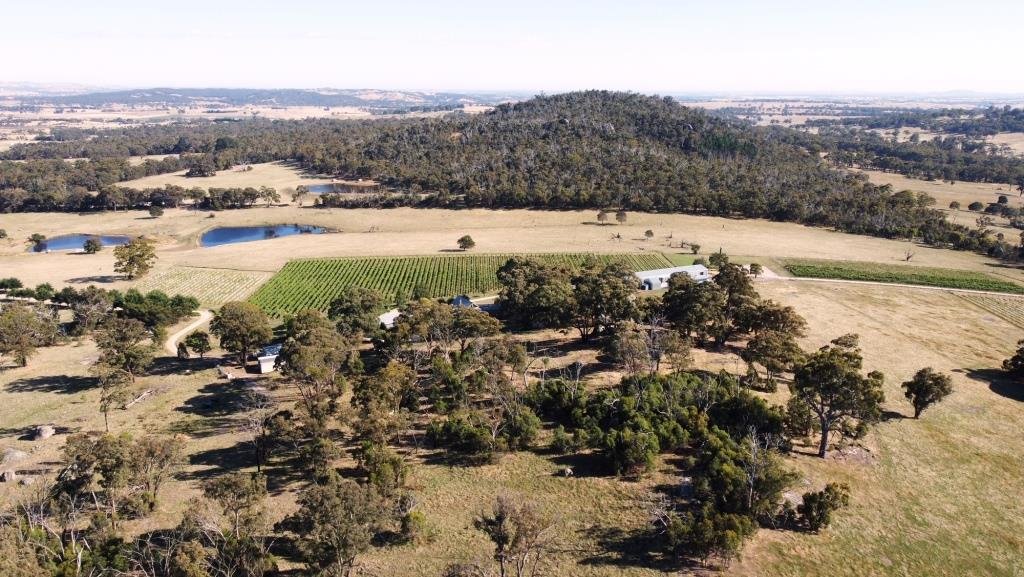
(363, 98)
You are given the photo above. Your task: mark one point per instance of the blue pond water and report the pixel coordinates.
(75, 242)
(233, 234)
(321, 188)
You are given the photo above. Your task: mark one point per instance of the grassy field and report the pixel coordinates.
(900, 274)
(314, 284)
(277, 175)
(213, 287)
(938, 496)
(944, 193)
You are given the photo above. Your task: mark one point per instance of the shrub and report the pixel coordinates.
(415, 528)
(818, 506)
(465, 433)
(631, 452)
(521, 429)
(385, 469)
(800, 421)
(92, 246)
(975, 206)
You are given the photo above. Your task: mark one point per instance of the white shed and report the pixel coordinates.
(268, 358)
(658, 278)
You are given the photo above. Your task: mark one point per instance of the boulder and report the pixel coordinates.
(10, 456)
(8, 477)
(43, 432)
(27, 480)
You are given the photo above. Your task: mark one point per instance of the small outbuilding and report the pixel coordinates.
(388, 319)
(462, 302)
(268, 358)
(658, 278)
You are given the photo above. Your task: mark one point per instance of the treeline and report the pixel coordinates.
(948, 158)
(972, 123)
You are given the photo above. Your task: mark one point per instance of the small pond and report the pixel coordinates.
(233, 234)
(75, 242)
(321, 188)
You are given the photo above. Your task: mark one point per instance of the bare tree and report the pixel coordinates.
(521, 535)
(259, 410)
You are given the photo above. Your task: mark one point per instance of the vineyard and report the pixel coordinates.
(1008, 308)
(213, 287)
(900, 274)
(303, 284)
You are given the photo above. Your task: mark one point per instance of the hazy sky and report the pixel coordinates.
(551, 45)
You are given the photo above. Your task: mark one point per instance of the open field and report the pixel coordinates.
(303, 284)
(277, 175)
(407, 231)
(944, 193)
(935, 497)
(899, 274)
(1015, 140)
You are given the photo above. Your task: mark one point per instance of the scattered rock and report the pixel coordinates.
(8, 477)
(854, 454)
(27, 480)
(11, 456)
(43, 432)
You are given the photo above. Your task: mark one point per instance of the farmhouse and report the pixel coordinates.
(658, 278)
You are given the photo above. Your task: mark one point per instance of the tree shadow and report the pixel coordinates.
(888, 415)
(163, 366)
(65, 384)
(102, 278)
(26, 433)
(999, 382)
(218, 461)
(618, 547)
(218, 404)
(583, 464)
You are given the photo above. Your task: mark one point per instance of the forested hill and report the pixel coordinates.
(604, 149)
(577, 150)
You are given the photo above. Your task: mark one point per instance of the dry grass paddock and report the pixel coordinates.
(1015, 140)
(279, 175)
(944, 193)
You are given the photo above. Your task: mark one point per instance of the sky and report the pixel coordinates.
(651, 46)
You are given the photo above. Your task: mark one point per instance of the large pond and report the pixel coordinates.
(233, 234)
(75, 242)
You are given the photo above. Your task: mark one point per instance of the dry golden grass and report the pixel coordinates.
(414, 231)
(944, 193)
(942, 496)
(1015, 140)
(277, 175)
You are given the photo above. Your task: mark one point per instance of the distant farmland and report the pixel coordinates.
(314, 283)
